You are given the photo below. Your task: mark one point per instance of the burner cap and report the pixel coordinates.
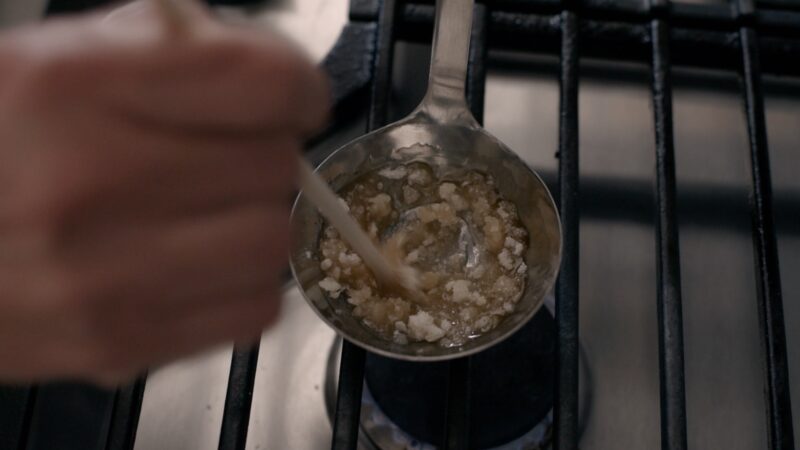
(512, 387)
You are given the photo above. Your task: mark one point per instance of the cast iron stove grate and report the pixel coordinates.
(746, 36)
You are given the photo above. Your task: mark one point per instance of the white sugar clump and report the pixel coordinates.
(419, 177)
(410, 195)
(437, 212)
(483, 323)
(359, 296)
(349, 259)
(518, 233)
(380, 206)
(422, 327)
(515, 246)
(467, 313)
(331, 286)
(413, 256)
(480, 206)
(401, 327)
(459, 290)
(476, 272)
(504, 286)
(493, 230)
(447, 191)
(396, 173)
(506, 260)
(399, 338)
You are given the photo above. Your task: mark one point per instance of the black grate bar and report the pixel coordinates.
(457, 414)
(348, 398)
(27, 419)
(567, 348)
(670, 319)
(783, 20)
(125, 415)
(476, 72)
(382, 73)
(15, 415)
(780, 4)
(614, 41)
(351, 368)
(770, 307)
(458, 405)
(239, 398)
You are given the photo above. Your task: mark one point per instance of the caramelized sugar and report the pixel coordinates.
(465, 241)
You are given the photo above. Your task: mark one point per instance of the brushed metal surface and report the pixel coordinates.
(724, 376)
(618, 315)
(182, 406)
(183, 402)
(289, 407)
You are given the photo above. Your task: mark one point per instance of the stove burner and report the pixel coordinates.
(380, 433)
(512, 388)
(512, 394)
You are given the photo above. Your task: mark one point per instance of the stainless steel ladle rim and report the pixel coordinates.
(445, 104)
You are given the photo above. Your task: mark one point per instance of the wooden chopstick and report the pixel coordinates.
(319, 193)
(328, 204)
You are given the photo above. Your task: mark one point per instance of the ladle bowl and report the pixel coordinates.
(442, 133)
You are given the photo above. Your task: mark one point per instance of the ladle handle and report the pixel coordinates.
(445, 100)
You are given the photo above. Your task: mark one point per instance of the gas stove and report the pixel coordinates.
(674, 334)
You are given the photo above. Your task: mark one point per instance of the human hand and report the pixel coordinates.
(145, 180)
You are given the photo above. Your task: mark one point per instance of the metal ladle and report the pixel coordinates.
(442, 133)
